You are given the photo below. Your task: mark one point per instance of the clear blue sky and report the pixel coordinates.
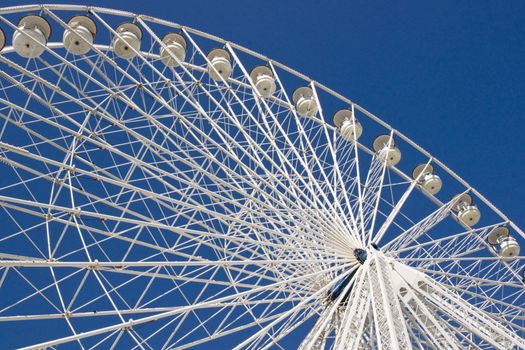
(448, 74)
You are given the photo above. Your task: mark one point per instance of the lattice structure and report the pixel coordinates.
(163, 188)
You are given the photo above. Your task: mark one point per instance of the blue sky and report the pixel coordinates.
(450, 75)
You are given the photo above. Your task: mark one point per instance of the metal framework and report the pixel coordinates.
(148, 206)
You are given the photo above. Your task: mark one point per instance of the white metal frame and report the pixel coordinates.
(238, 216)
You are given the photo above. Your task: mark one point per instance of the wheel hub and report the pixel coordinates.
(360, 255)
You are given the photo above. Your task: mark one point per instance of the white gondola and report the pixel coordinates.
(174, 45)
(466, 212)
(348, 126)
(304, 101)
(128, 40)
(508, 249)
(386, 148)
(426, 177)
(498, 235)
(220, 66)
(263, 80)
(2, 39)
(79, 39)
(506, 246)
(31, 36)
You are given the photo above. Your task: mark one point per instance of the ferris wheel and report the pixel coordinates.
(163, 188)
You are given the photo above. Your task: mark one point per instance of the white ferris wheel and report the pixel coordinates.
(162, 188)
